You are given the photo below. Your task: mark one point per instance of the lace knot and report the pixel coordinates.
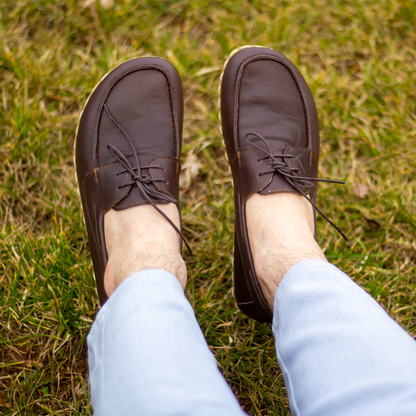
(142, 179)
(301, 184)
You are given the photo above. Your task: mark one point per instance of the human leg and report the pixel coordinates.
(339, 351)
(147, 354)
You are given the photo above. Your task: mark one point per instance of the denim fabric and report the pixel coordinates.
(148, 356)
(340, 353)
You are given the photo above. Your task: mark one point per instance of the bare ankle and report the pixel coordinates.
(117, 271)
(272, 266)
(139, 239)
(281, 236)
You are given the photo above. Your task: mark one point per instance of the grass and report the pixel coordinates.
(358, 58)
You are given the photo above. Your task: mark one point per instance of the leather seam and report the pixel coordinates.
(107, 166)
(310, 158)
(144, 200)
(304, 148)
(288, 162)
(267, 182)
(151, 172)
(280, 190)
(171, 96)
(245, 151)
(260, 188)
(245, 275)
(117, 199)
(238, 107)
(244, 267)
(245, 272)
(89, 220)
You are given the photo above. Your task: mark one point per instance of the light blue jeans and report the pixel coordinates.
(340, 353)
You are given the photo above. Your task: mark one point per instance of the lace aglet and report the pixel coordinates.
(324, 180)
(336, 227)
(187, 246)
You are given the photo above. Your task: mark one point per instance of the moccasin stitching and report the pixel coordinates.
(154, 183)
(138, 202)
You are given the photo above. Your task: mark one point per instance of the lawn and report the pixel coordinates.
(359, 59)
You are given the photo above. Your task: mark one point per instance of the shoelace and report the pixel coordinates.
(144, 183)
(296, 181)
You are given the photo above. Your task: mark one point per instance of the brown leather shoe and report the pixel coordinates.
(128, 146)
(271, 134)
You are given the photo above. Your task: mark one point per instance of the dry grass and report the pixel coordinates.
(359, 59)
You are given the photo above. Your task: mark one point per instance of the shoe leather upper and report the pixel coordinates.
(144, 96)
(263, 93)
